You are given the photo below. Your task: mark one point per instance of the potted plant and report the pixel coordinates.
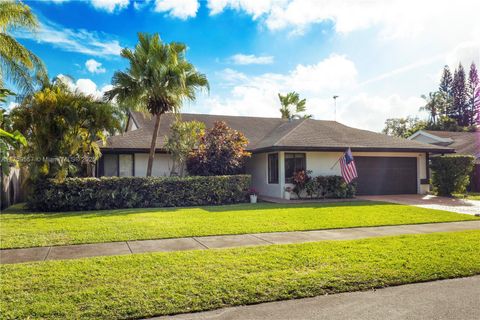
(286, 194)
(253, 195)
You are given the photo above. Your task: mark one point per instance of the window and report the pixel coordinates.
(110, 165)
(273, 168)
(118, 165)
(125, 165)
(293, 162)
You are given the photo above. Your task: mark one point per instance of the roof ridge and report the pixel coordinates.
(302, 121)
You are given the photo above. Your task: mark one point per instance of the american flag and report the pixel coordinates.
(347, 166)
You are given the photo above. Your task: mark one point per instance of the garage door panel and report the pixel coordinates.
(386, 175)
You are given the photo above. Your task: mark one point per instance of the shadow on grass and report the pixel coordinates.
(19, 209)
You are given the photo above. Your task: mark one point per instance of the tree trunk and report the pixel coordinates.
(153, 145)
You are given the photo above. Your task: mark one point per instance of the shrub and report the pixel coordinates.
(451, 174)
(221, 151)
(300, 180)
(75, 194)
(322, 186)
(336, 187)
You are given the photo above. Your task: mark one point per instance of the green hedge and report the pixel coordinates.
(321, 187)
(451, 174)
(75, 194)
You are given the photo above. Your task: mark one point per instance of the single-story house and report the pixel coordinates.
(467, 143)
(279, 147)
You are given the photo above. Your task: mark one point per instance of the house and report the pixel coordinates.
(385, 164)
(467, 143)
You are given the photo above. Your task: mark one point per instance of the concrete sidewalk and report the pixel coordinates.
(456, 299)
(226, 241)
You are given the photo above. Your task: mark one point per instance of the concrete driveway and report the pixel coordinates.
(430, 202)
(438, 300)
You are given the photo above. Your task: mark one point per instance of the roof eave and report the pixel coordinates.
(354, 149)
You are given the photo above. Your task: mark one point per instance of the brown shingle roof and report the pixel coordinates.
(274, 133)
(463, 142)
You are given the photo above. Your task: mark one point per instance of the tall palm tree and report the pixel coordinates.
(17, 63)
(436, 105)
(292, 99)
(158, 80)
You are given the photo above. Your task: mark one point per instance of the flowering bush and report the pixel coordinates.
(300, 179)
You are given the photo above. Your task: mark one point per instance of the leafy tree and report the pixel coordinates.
(446, 82)
(472, 90)
(62, 129)
(436, 106)
(403, 127)
(292, 100)
(459, 103)
(17, 63)
(184, 136)
(221, 151)
(8, 140)
(158, 80)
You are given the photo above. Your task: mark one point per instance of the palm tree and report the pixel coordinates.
(17, 63)
(158, 80)
(292, 99)
(436, 105)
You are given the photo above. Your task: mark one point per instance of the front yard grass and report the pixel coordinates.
(144, 285)
(20, 228)
(469, 196)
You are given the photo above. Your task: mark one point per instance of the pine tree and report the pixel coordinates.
(460, 103)
(473, 83)
(446, 89)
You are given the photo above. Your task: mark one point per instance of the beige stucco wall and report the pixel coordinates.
(320, 163)
(257, 167)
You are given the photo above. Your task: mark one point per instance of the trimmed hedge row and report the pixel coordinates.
(75, 194)
(451, 174)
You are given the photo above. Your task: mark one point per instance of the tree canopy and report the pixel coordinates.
(18, 64)
(184, 137)
(158, 80)
(455, 106)
(292, 106)
(221, 151)
(62, 129)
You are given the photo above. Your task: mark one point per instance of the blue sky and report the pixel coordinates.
(378, 56)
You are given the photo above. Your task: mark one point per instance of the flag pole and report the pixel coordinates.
(336, 162)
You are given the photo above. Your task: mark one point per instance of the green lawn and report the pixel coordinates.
(470, 196)
(145, 285)
(25, 229)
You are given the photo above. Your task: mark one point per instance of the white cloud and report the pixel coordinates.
(110, 5)
(181, 9)
(139, 5)
(257, 95)
(366, 111)
(397, 18)
(465, 53)
(94, 66)
(80, 40)
(254, 8)
(85, 86)
(244, 59)
(334, 75)
(10, 105)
